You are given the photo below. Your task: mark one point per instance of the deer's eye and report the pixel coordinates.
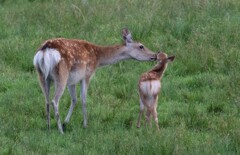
(141, 47)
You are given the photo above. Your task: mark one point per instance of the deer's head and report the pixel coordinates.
(136, 50)
(164, 58)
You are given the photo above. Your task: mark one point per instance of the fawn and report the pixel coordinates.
(67, 62)
(149, 87)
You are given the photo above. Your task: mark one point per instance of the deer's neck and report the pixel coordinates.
(111, 54)
(159, 69)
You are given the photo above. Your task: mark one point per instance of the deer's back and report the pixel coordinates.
(72, 51)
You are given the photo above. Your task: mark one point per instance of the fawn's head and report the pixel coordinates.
(164, 58)
(136, 50)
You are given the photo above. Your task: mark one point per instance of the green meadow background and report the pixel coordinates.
(199, 105)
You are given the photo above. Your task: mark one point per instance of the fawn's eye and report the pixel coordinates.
(141, 47)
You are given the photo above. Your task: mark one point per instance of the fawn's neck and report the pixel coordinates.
(159, 69)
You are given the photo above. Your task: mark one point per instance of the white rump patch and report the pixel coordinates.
(46, 60)
(38, 56)
(150, 88)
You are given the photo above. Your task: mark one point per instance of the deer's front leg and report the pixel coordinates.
(84, 88)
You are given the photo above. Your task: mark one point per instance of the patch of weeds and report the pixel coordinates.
(195, 119)
(215, 108)
(128, 122)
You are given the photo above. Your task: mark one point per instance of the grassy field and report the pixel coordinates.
(199, 106)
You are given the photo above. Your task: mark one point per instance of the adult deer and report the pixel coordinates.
(66, 62)
(149, 87)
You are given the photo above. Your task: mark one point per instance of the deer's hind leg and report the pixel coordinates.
(140, 113)
(60, 80)
(155, 118)
(72, 91)
(45, 85)
(154, 113)
(148, 118)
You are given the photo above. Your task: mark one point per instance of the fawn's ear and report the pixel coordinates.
(127, 37)
(171, 58)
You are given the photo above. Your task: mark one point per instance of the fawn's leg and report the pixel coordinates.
(155, 113)
(148, 117)
(140, 113)
(72, 91)
(155, 118)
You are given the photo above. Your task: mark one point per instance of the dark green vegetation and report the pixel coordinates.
(200, 99)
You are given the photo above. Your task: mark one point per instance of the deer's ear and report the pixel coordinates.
(171, 58)
(127, 37)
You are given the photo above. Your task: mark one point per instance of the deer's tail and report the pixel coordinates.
(45, 60)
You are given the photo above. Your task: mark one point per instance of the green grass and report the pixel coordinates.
(199, 106)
